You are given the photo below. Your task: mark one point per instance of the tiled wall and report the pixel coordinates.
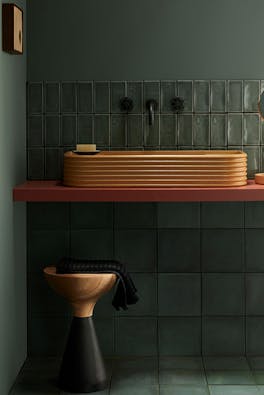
(218, 114)
(198, 268)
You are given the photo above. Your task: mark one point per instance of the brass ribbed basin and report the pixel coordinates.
(156, 169)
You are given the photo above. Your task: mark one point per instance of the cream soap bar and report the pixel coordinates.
(85, 147)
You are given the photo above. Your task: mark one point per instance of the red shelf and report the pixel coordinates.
(54, 191)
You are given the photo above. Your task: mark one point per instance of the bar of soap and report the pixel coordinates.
(259, 178)
(86, 147)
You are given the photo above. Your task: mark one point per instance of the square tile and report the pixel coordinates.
(101, 97)
(105, 332)
(251, 95)
(102, 130)
(235, 95)
(201, 130)
(253, 160)
(68, 130)
(223, 336)
(168, 130)
(139, 390)
(35, 164)
(167, 91)
(255, 333)
(255, 294)
(223, 294)
(135, 130)
(230, 377)
(68, 97)
(170, 364)
(92, 244)
(52, 97)
(85, 97)
(222, 250)
(137, 249)
(218, 96)
(201, 96)
(35, 131)
(151, 132)
(234, 129)
(259, 377)
(179, 294)
(135, 92)
(256, 363)
(91, 215)
(48, 215)
(117, 93)
(35, 97)
(135, 215)
(222, 215)
(218, 130)
(251, 129)
(226, 363)
(179, 336)
(183, 390)
(182, 377)
(178, 215)
(185, 130)
(151, 91)
(179, 250)
(136, 336)
(233, 390)
(185, 90)
(85, 129)
(118, 131)
(52, 131)
(52, 164)
(254, 214)
(254, 242)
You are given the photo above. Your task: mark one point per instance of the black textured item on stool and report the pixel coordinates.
(125, 293)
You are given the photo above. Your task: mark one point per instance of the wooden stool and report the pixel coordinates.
(82, 368)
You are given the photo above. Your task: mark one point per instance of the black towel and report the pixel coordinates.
(125, 293)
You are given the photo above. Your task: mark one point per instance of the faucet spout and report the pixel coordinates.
(152, 106)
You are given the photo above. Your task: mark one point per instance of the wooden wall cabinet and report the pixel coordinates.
(12, 28)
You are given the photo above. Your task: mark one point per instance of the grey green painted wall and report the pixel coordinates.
(12, 216)
(149, 39)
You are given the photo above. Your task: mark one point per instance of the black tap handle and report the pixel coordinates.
(177, 103)
(126, 104)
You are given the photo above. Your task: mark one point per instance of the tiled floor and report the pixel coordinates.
(150, 376)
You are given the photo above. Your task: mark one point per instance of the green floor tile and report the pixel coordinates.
(226, 363)
(185, 363)
(259, 376)
(256, 363)
(176, 377)
(183, 390)
(230, 377)
(134, 390)
(233, 390)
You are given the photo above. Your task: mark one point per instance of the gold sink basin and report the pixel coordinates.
(156, 169)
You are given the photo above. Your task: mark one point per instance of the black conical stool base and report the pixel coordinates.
(82, 368)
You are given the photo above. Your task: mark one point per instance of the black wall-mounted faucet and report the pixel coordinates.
(152, 106)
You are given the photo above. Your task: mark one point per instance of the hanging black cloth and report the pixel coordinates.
(125, 293)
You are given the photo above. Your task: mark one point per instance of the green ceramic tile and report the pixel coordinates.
(35, 131)
(46, 247)
(201, 96)
(180, 363)
(256, 363)
(259, 377)
(68, 130)
(168, 90)
(261, 159)
(105, 333)
(255, 293)
(136, 248)
(235, 95)
(178, 215)
(117, 92)
(262, 130)
(85, 129)
(146, 284)
(230, 377)
(180, 336)
(222, 215)
(52, 131)
(147, 390)
(251, 129)
(104, 307)
(222, 250)
(185, 130)
(251, 95)
(134, 131)
(254, 242)
(151, 132)
(136, 336)
(35, 164)
(223, 294)
(218, 96)
(226, 363)
(101, 97)
(253, 160)
(234, 129)
(68, 97)
(201, 130)
(168, 130)
(223, 336)
(92, 244)
(179, 250)
(101, 130)
(182, 377)
(118, 131)
(41, 364)
(183, 390)
(52, 97)
(185, 292)
(233, 390)
(48, 215)
(254, 215)
(52, 164)
(255, 333)
(91, 215)
(135, 215)
(85, 97)
(35, 98)
(151, 90)
(185, 90)
(218, 130)
(135, 92)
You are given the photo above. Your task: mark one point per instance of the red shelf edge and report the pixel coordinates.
(54, 191)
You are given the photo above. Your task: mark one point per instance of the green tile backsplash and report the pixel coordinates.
(218, 114)
(197, 266)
